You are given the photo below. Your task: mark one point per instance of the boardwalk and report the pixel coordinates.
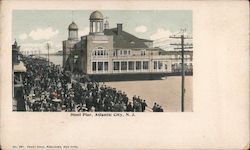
(165, 92)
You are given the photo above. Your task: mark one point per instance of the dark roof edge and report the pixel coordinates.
(146, 40)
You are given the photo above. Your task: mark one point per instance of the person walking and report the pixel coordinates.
(144, 105)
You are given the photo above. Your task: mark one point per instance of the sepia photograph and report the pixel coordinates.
(102, 61)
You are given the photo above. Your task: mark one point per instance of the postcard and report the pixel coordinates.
(124, 75)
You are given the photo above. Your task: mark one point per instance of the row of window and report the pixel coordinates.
(158, 65)
(130, 65)
(115, 52)
(100, 53)
(179, 65)
(126, 65)
(179, 56)
(121, 52)
(99, 66)
(126, 52)
(143, 52)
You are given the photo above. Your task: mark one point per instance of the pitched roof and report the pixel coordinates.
(146, 40)
(125, 39)
(161, 51)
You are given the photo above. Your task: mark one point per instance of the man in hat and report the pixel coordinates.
(154, 107)
(144, 105)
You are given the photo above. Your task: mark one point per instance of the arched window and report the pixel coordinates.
(100, 51)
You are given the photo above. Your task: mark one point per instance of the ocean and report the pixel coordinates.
(56, 59)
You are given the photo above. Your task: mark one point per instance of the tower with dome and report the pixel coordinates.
(73, 31)
(68, 45)
(96, 23)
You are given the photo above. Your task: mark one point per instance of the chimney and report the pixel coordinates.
(119, 28)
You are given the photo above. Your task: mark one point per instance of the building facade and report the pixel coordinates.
(174, 58)
(18, 68)
(106, 51)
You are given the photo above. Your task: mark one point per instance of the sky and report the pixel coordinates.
(34, 28)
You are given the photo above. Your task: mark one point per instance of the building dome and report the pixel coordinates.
(73, 26)
(96, 15)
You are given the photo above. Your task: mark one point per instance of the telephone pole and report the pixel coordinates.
(48, 46)
(182, 48)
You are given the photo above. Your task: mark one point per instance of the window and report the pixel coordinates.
(160, 65)
(106, 65)
(124, 65)
(155, 64)
(115, 52)
(173, 66)
(125, 52)
(191, 65)
(100, 51)
(185, 66)
(93, 66)
(145, 65)
(116, 66)
(128, 52)
(120, 52)
(100, 66)
(138, 65)
(166, 66)
(143, 53)
(132, 43)
(131, 65)
(106, 52)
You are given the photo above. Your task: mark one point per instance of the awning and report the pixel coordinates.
(20, 67)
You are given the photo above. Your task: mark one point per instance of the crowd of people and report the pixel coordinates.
(48, 88)
(157, 108)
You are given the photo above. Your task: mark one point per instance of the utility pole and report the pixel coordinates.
(48, 46)
(182, 48)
